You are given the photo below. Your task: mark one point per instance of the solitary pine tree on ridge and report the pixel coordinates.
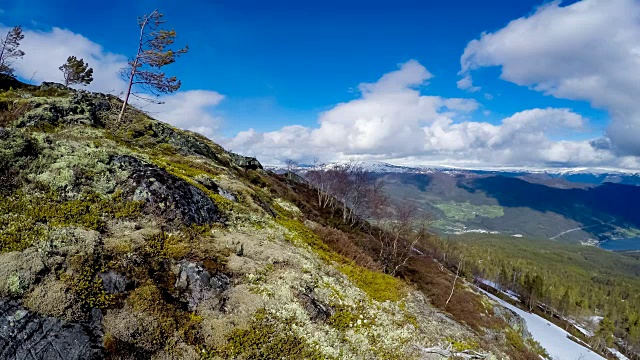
(153, 53)
(76, 71)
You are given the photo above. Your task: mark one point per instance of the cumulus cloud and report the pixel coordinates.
(392, 120)
(589, 50)
(466, 83)
(190, 110)
(47, 50)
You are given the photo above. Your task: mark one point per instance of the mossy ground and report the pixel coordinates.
(63, 182)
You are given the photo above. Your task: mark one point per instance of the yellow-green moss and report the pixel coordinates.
(379, 286)
(463, 345)
(346, 318)
(89, 289)
(25, 218)
(267, 338)
(515, 340)
(537, 348)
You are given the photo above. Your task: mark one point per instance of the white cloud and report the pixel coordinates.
(45, 51)
(589, 50)
(393, 120)
(190, 110)
(466, 83)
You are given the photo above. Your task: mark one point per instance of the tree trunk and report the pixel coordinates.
(453, 287)
(134, 66)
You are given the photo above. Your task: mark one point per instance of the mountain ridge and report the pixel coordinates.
(138, 240)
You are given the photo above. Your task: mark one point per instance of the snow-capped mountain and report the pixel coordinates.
(593, 176)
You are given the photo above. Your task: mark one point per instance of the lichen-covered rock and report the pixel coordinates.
(317, 311)
(26, 335)
(246, 162)
(52, 297)
(186, 142)
(208, 182)
(197, 284)
(18, 271)
(513, 319)
(79, 108)
(166, 195)
(113, 282)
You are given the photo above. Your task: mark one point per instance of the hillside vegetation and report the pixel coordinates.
(467, 201)
(137, 240)
(569, 281)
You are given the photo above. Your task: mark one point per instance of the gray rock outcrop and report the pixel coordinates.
(25, 335)
(166, 195)
(196, 284)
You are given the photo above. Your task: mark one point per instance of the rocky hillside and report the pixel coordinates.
(137, 240)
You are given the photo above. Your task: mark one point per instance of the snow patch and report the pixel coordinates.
(553, 338)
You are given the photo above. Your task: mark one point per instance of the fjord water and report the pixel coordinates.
(629, 244)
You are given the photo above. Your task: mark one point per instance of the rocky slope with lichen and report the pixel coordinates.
(138, 240)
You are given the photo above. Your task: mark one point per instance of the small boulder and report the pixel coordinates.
(166, 195)
(196, 284)
(113, 282)
(317, 311)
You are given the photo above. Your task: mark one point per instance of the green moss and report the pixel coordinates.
(346, 318)
(268, 338)
(89, 289)
(537, 348)
(50, 92)
(25, 219)
(515, 340)
(161, 319)
(463, 345)
(379, 286)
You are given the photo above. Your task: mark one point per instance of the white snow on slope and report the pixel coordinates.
(553, 338)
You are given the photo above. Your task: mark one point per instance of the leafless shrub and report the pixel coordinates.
(12, 112)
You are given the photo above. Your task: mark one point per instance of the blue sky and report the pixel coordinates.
(283, 63)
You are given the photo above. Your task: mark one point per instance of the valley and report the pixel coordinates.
(468, 202)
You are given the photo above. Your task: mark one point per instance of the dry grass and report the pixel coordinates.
(346, 245)
(12, 111)
(465, 306)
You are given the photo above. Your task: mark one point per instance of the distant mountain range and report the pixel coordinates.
(590, 206)
(548, 176)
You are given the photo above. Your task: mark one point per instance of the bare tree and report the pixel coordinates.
(76, 71)
(9, 49)
(153, 54)
(453, 286)
(291, 165)
(397, 232)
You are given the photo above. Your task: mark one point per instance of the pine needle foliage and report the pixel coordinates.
(76, 71)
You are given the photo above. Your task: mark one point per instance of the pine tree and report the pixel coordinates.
(565, 302)
(153, 54)
(504, 279)
(603, 337)
(75, 71)
(9, 49)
